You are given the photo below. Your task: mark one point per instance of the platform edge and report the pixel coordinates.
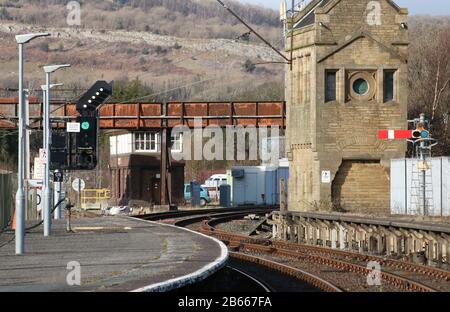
(193, 277)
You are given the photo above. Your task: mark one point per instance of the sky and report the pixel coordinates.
(430, 7)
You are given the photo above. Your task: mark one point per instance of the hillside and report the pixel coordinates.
(186, 43)
(163, 43)
(181, 18)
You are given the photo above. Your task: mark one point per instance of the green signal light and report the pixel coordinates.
(85, 125)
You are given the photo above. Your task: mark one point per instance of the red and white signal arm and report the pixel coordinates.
(395, 134)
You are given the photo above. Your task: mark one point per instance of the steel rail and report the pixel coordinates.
(265, 246)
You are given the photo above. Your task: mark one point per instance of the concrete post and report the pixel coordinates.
(448, 252)
(389, 248)
(314, 235)
(341, 238)
(299, 233)
(333, 238)
(360, 238)
(307, 235)
(428, 251)
(439, 252)
(399, 245)
(380, 245)
(282, 196)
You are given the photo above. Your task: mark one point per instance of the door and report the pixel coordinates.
(156, 191)
(146, 186)
(251, 188)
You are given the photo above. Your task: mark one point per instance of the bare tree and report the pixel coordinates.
(429, 81)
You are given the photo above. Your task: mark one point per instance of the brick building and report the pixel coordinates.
(348, 80)
(135, 166)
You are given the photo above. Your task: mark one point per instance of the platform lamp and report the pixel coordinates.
(20, 195)
(44, 137)
(47, 195)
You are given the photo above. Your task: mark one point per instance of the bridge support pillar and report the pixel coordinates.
(439, 246)
(361, 241)
(341, 237)
(380, 245)
(324, 237)
(448, 252)
(299, 233)
(429, 251)
(304, 240)
(399, 245)
(408, 245)
(387, 245)
(314, 235)
(334, 238)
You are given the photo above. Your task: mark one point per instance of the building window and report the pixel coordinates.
(177, 142)
(361, 86)
(330, 85)
(389, 85)
(146, 141)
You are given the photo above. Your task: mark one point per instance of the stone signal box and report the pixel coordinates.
(348, 80)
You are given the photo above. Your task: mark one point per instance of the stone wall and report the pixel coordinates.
(361, 186)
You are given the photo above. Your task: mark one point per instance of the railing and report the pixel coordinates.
(95, 198)
(136, 116)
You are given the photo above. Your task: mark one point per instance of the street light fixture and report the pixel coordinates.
(20, 195)
(47, 195)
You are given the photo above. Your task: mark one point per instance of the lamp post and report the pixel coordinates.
(20, 195)
(44, 140)
(47, 195)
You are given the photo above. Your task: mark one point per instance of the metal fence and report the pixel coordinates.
(6, 199)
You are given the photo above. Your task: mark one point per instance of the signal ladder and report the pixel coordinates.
(417, 194)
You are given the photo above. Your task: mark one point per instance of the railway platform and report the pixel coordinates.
(113, 253)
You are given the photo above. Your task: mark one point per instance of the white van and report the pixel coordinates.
(216, 180)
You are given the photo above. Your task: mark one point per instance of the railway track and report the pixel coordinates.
(306, 262)
(263, 285)
(194, 220)
(404, 275)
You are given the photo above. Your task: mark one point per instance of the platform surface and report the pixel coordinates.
(115, 254)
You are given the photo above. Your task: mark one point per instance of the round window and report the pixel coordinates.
(361, 86)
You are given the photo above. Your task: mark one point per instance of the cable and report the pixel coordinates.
(5, 229)
(253, 31)
(42, 221)
(36, 225)
(6, 243)
(167, 91)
